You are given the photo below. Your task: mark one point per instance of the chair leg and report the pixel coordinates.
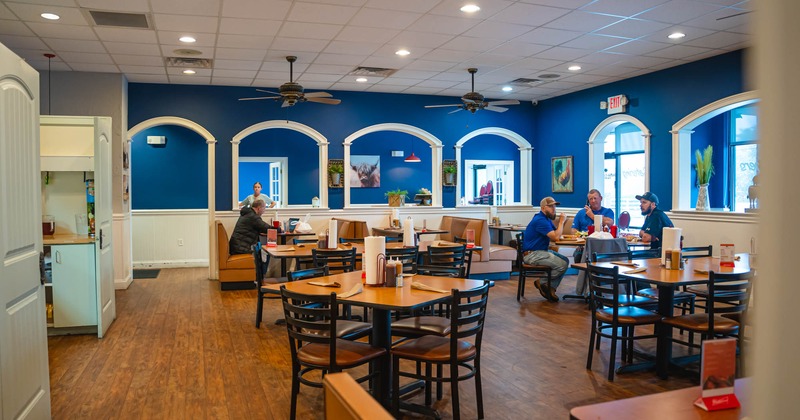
(295, 391)
(591, 346)
(454, 390)
(478, 387)
(259, 309)
(396, 386)
(612, 357)
(428, 384)
(520, 286)
(439, 383)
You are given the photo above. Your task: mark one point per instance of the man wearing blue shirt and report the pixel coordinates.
(536, 243)
(585, 216)
(655, 222)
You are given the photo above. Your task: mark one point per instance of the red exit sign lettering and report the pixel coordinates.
(616, 104)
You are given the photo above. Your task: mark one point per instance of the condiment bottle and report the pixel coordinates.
(391, 274)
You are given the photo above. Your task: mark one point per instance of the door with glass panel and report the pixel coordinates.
(624, 172)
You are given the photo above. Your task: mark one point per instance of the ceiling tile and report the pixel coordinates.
(594, 42)
(133, 49)
(256, 9)
(309, 30)
(537, 63)
(142, 69)
(453, 8)
(341, 47)
(31, 13)
(464, 43)
(678, 51)
(390, 19)
(602, 58)
(299, 45)
(320, 13)
(257, 27)
(529, 14)
(690, 32)
(79, 57)
(499, 30)
(10, 27)
(442, 25)
(187, 7)
(242, 74)
(567, 4)
(360, 33)
(641, 61)
(239, 53)
(73, 45)
(230, 81)
(563, 53)
(237, 64)
(328, 69)
(138, 6)
(341, 59)
(171, 51)
(316, 77)
(586, 21)
(622, 7)
(632, 28)
(412, 39)
(427, 65)
(719, 20)
(718, 40)
(146, 78)
(243, 41)
(182, 23)
(5, 13)
(203, 40)
(520, 49)
(141, 36)
(50, 30)
(418, 6)
(493, 59)
(678, 11)
(637, 47)
(95, 67)
(142, 60)
(548, 36)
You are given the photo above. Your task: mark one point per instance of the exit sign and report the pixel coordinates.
(616, 104)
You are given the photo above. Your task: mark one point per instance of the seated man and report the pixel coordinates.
(535, 247)
(248, 227)
(585, 217)
(655, 222)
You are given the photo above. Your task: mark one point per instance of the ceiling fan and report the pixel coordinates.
(292, 93)
(473, 101)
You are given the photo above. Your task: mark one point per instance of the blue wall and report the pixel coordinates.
(556, 127)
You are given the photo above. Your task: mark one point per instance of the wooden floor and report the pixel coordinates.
(180, 348)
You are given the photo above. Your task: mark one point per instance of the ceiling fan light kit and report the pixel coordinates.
(474, 101)
(292, 92)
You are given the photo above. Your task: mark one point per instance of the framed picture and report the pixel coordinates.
(561, 172)
(365, 171)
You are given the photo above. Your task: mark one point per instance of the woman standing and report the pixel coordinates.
(256, 195)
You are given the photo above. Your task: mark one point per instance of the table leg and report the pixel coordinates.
(664, 345)
(382, 337)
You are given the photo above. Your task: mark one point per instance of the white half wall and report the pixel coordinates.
(123, 260)
(157, 235)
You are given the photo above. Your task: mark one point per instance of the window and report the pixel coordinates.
(743, 149)
(489, 182)
(624, 171)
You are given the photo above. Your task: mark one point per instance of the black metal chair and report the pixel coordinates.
(304, 262)
(446, 261)
(337, 260)
(408, 256)
(467, 256)
(608, 316)
(467, 320)
(529, 270)
(312, 324)
(261, 269)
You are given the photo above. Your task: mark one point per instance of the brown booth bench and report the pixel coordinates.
(236, 271)
(493, 261)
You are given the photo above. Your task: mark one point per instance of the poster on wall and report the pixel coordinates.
(561, 171)
(365, 171)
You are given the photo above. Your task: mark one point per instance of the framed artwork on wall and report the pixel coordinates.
(365, 171)
(561, 172)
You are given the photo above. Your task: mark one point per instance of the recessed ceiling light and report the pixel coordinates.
(402, 52)
(361, 79)
(574, 68)
(470, 8)
(507, 88)
(676, 35)
(189, 72)
(50, 16)
(187, 39)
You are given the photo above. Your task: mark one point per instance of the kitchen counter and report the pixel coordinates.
(67, 239)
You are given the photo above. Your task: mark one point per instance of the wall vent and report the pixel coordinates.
(188, 62)
(120, 20)
(372, 71)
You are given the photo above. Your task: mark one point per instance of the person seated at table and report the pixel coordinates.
(655, 222)
(536, 246)
(247, 229)
(256, 196)
(585, 216)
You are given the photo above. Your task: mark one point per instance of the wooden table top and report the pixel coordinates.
(510, 228)
(672, 405)
(399, 231)
(67, 239)
(304, 250)
(390, 298)
(659, 275)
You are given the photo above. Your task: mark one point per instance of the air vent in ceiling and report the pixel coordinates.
(525, 82)
(372, 71)
(549, 76)
(122, 20)
(186, 62)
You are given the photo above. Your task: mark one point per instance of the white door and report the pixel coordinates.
(276, 182)
(24, 377)
(106, 303)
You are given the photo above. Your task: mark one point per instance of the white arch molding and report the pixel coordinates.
(682, 143)
(597, 155)
(210, 142)
(322, 144)
(525, 159)
(436, 156)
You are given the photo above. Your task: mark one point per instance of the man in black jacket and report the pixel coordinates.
(247, 229)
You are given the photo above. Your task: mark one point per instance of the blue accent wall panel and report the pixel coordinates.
(713, 133)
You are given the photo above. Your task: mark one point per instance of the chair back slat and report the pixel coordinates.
(603, 287)
(337, 260)
(351, 240)
(697, 251)
(407, 256)
(308, 273)
(643, 254)
(311, 319)
(468, 314)
(727, 293)
(450, 259)
(304, 241)
(609, 256)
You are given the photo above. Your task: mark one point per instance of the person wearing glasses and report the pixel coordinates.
(536, 246)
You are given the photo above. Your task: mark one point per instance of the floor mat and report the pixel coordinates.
(146, 273)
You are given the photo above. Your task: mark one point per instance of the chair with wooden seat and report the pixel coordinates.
(725, 312)
(455, 351)
(608, 316)
(529, 270)
(337, 260)
(312, 324)
(629, 297)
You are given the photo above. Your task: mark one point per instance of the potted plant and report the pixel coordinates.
(424, 197)
(336, 170)
(705, 168)
(396, 197)
(449, 174)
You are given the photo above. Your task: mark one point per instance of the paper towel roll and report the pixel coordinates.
(670, 239)
(395, 214)
(333, 235)
(409, 236)
(598, 222)
(493, 211)
(373, 246)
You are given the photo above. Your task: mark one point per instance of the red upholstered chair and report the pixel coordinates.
(624, 221)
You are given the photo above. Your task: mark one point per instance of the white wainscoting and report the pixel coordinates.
(714, 228)
(123, 269)
(156, 235)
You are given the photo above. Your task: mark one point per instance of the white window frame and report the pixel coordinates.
(597, 150)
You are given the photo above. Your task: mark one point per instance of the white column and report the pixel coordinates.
(234, 173)
(681, 169)
(323, 174)
(436, 175)
(213, 272)
(346, 174)
(525, 174)
(460, 174)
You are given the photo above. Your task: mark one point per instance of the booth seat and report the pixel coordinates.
(493, 261)
(353, 229)
(236, 271)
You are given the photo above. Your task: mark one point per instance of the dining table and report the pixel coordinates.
(502, 229)
(398, 232)
(695, 272)
(382, 301)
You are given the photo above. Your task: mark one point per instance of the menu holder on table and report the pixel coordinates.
(272, 237)
(717, 374)
(726, 255)
(469, 236)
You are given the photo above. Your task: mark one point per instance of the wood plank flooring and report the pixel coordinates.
(180, 348)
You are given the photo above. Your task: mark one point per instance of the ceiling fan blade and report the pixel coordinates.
(459, 109)
(495, 108)
(471, 101)
(329, 101)
(259, 98)
(268, 91)
(441, 106)
(503, 102)
(318, 95)
(286, 104)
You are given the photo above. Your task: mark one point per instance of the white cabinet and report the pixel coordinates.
(74, 285)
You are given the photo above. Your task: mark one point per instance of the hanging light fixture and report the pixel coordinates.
(412, 158)
(49, 56)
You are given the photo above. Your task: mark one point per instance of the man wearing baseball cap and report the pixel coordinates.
(536, 244)
(655, 222)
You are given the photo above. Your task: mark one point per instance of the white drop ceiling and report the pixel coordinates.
(249, 40)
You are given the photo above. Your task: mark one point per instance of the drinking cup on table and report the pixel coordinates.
(590, 229)
(614, 230)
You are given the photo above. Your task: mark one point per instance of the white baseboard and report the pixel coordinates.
(171, 264)
(123, 284)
